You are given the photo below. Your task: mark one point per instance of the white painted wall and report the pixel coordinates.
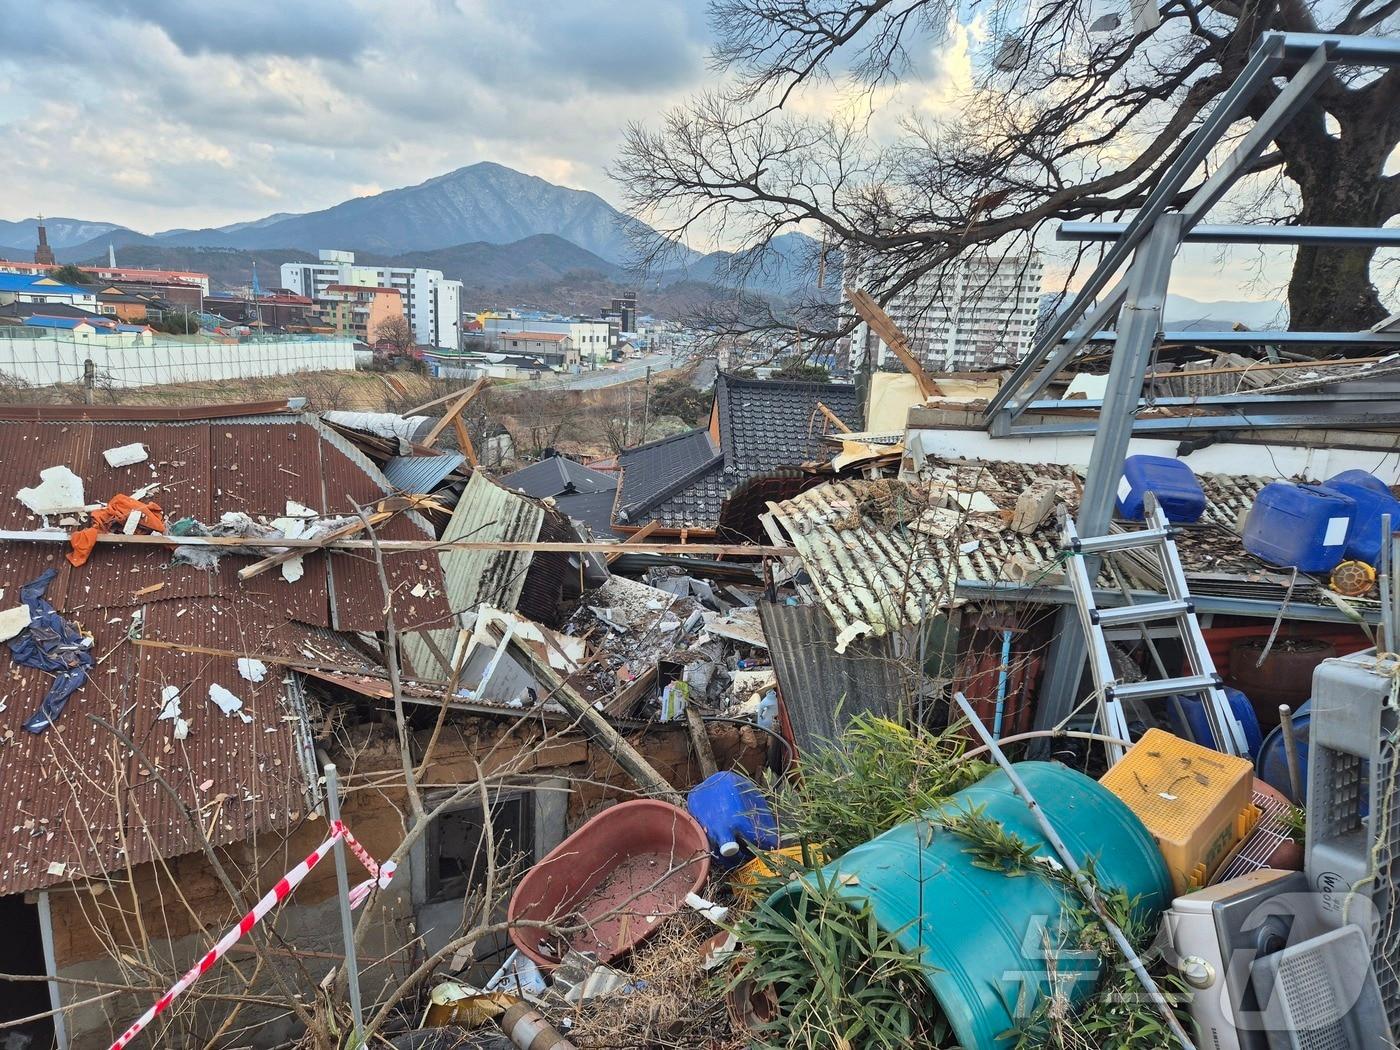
(46, 360)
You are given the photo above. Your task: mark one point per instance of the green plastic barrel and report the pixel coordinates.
(983, 934)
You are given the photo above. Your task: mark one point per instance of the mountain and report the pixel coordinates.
(63, 233)
(482, 265)
(483, 202)
(1185, 314)
(785, 266)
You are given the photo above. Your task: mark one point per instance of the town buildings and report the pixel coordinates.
(979, 313)
(431, 302)
(359, 310)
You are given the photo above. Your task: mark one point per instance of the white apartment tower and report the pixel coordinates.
(432, 304)
(979, 313)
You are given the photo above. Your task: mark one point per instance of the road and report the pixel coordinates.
(611, 375)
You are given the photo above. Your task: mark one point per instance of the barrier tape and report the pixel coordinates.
(381, 876)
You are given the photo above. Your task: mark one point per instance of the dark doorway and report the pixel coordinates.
(22, 951)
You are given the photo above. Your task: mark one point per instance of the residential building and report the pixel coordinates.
(592, 339)
(124, 274)
(113, 301)
(584, 495)
(431, 302)
(716, 479)
(359, 310)
(553, 348)
(27, 289)
(979, 313)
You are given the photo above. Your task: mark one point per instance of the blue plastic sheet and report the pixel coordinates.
(51, 644)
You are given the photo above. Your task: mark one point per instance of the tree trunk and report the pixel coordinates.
(1340, 181)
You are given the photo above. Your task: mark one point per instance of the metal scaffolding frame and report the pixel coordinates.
(1147, 245)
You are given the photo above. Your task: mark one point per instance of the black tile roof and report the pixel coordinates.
(583, 494)
(764, 424)
(654, 472)
(557, 475)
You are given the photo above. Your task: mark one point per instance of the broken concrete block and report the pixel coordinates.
(13, 621)
(125, 455)
(59, 491)
(1033, 506)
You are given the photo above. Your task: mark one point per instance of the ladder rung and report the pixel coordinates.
(1142, 613)
(1162, 687)
(1122, 541)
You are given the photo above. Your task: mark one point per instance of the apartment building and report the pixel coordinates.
(980, 313)
(431, 302)
(359, 310)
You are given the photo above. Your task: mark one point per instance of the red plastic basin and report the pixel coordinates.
(612, 882)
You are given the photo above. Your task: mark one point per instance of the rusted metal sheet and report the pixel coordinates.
(823, 689)
(146, 413)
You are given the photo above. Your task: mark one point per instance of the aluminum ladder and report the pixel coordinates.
(1178, 608)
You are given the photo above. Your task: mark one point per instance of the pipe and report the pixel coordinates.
(60, 1029)
(1003, 676)
(1290, 752)
(528, 1029)
(342, 881)
(1386, 568)
(1086, 888)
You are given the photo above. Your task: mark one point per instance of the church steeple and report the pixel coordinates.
(43, 254)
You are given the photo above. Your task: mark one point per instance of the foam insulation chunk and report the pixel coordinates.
(252, 670)
(170, 703)
(59, 491)
(227, 702)
(13, 621)
(125, 455)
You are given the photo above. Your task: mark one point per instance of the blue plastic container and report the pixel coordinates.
(1372, 500)
(1272, 764)
(736, 817)
(981, 933)
(1170, 480)
(1197, 727)
(1299, 526)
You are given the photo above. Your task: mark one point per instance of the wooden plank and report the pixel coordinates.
(620, 704)
(274, 560)
(452, 412)
(833, 418)
(157, 539)
(595, 725)
(700, 740)
(464, 440)
(299, 660)
(889, 333)
(637, 537)
(433, 403)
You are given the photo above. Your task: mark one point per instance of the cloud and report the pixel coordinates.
(160, 113)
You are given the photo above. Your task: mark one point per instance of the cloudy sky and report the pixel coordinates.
(159, 114)
(167, 113)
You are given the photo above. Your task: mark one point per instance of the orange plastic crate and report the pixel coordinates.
(1195, 802)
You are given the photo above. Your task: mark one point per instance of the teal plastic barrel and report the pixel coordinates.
(983, 934)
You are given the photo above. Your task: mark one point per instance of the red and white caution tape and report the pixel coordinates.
(381, 876)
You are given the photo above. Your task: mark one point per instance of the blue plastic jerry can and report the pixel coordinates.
(736, 817)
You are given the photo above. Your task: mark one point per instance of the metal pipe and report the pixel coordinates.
(1263, 336)
(529, 1029)
(1003, 675)
(1383, 588)
(60, 1027)
(347, 926)
(1341, 236)
(1290, 752)
(1086, 888)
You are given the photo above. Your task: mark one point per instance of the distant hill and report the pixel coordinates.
(23, 235)
(1185, 314)
(480, 264)
(481, 202)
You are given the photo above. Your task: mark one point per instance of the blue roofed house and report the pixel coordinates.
(714, 481)
(27, 288)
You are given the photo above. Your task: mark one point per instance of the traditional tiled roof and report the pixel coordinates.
(764, 425)
(582, 494)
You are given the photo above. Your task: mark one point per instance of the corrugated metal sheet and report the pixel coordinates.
(74, 801)
(876, 554)
(421, 474)
(487, 511)
(822, 690)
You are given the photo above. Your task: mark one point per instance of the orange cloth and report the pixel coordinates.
(113, 516)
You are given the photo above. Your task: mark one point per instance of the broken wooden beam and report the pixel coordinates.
(637, 537)
(599, 730)
(833, 418)
(453, 411)
(157, 539)
(274, 560)
(700, 740)
(881, 324)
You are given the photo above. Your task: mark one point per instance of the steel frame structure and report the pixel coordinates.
(1146, 245)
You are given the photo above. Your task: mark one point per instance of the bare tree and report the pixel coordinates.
(1069, 115)
(397, 332)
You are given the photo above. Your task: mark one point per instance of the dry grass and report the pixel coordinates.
(681, 1008)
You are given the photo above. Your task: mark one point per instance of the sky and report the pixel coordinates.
(166, 113)
(161, 114)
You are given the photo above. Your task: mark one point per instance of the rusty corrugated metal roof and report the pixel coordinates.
(75, 802)
(881, 554)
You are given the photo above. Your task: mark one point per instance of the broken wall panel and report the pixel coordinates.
(822, 689)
